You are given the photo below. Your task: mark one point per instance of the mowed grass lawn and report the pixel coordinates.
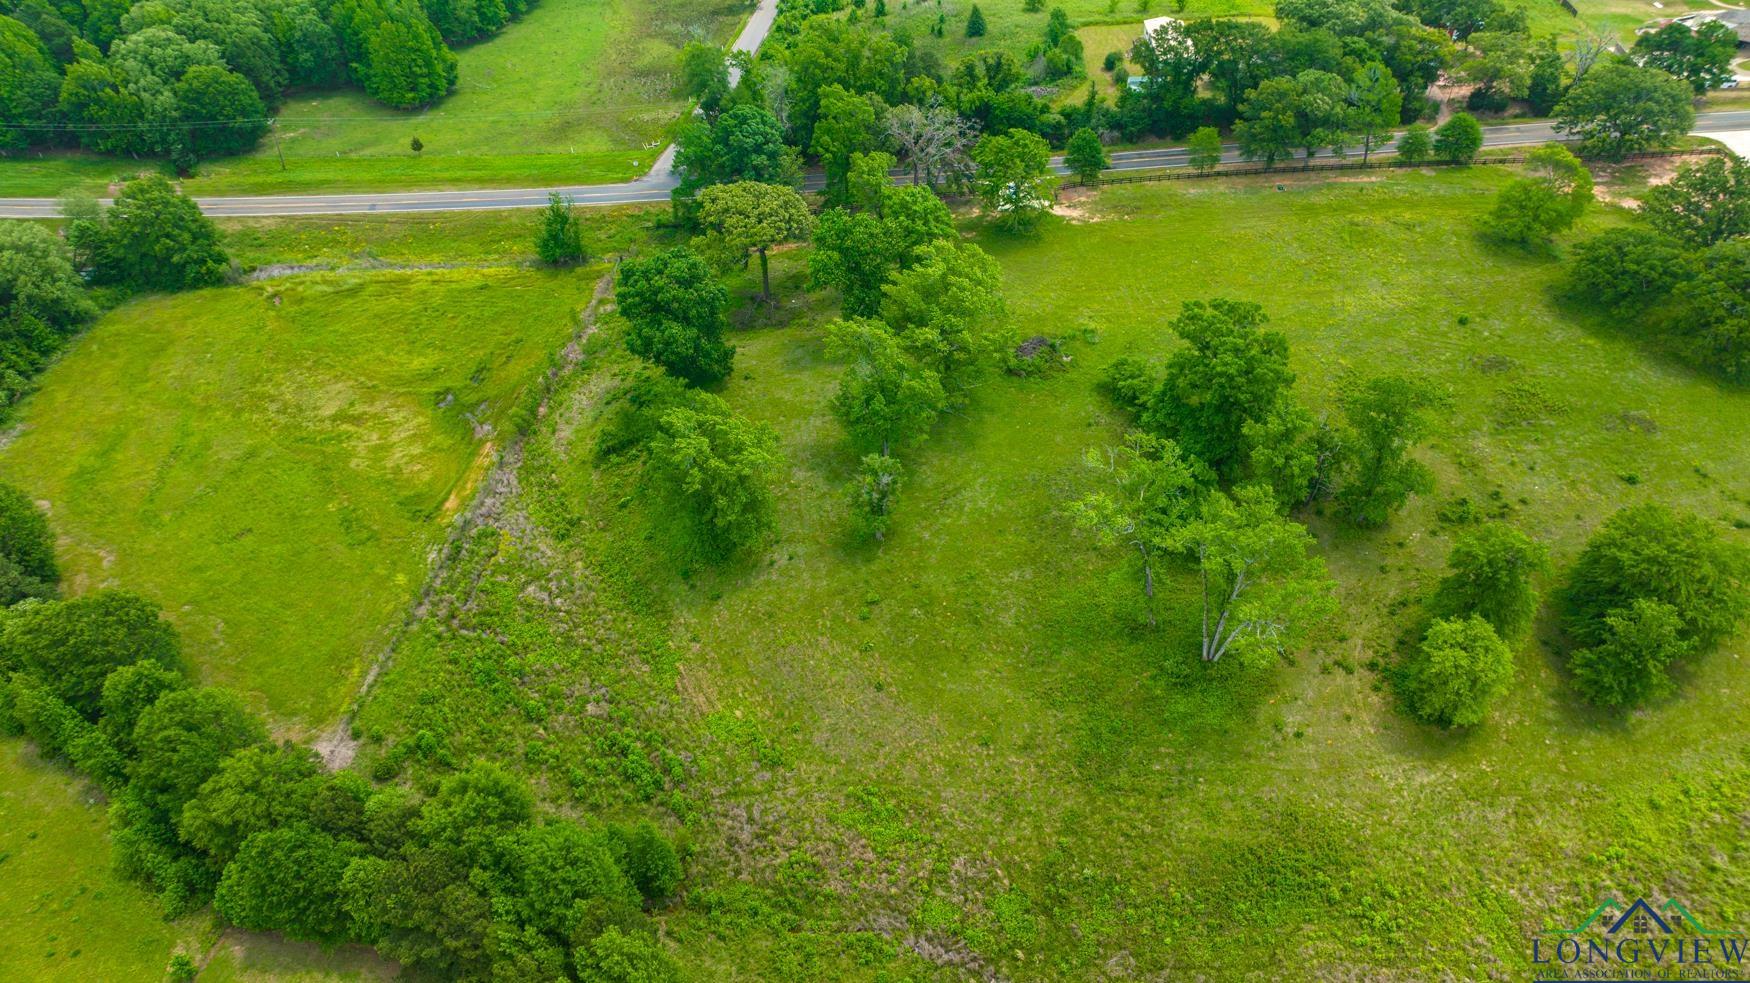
(981, 722)
(576, 92)
(68, 916)
(271, 462)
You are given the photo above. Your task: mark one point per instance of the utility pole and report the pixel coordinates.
(274, 125)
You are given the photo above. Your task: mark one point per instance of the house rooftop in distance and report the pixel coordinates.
(1737, 20)
(1154, 24)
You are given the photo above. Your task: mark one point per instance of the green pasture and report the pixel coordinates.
(271, 462)
(576, 92)
(68, 916)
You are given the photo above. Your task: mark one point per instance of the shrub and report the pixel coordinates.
(127, 692)
(1630, 665)
(27, 549)
(675, 305)
(1486, 100)
(153, 238)
(1650, 552)
(1085, 156)
(717, 465)
(615, 956)
(1415, 146)
(182, 740)
(37, 278)
(648, 858)
(873, 492)
(561, 238)
(1533, 208)
(1627, 269)
(1714, 332)
(182, 969)
(209, 92)
(1704, 204)
(287, 880)
(255, 790)
(1459, 669)
(1458, 139)
(1492, 567)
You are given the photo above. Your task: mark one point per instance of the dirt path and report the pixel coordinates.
(337, 745)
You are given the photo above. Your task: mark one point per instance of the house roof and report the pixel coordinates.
(1738, 20)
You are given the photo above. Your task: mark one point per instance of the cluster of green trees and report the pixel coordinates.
(1222, 455)
(1337, 75)
(465, 878)
(1226, 400)
(1464, 661)
(151, 239)
(1651, 588)
(920, 326)
(712, 466)
(191, 79)
(1682, 274)
(831, 87)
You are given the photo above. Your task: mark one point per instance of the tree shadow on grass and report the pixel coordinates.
(1666, 350)
(1130, 693)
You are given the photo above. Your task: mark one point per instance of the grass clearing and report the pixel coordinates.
(236, 453)
(966, 751)
(67, 915)
(576, 92)
(504, 238)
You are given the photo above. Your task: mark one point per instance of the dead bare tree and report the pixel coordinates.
(1588, 48)
(934, 141)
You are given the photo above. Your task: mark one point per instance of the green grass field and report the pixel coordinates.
(236, 453)
(576, 92)
(67, 916)
(965, 750)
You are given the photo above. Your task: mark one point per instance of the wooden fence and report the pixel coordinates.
(1185, 173)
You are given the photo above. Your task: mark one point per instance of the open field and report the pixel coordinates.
(963, 752)
(67, 915)
(576, 92)
(486, 238)
(968, 744)
(236, 453)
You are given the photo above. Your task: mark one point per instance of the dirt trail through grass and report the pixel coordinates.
(338, 745)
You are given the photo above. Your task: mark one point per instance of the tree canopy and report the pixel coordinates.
(1460, 668)
(675, 307)
(1231, 372)
(750, 217)
(1263, 586)
(1618, 109)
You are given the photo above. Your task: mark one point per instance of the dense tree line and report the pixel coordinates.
(190, 79)
(465, 878)
(1681, 274)
(1336, 75)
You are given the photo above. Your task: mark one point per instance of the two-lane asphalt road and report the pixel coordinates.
(655, 187)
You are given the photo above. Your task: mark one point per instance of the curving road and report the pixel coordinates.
(655, 186)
